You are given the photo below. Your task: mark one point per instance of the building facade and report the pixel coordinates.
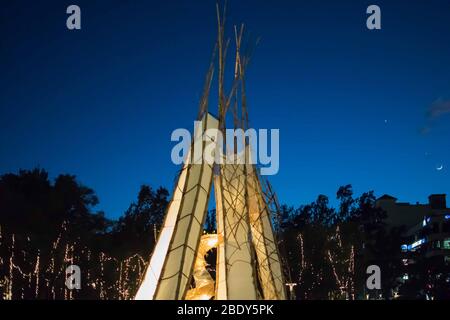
(426, 247)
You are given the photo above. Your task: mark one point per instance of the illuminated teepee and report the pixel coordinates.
(248, 263)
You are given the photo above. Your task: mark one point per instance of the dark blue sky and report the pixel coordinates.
(102, 102)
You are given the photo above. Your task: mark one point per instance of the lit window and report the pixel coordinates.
(446, 243)
(418, 243)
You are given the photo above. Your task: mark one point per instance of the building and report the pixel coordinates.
(410, 215)
(426, 248)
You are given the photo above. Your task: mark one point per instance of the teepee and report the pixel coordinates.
(248, 262)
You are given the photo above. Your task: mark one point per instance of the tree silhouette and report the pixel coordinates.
(138, 228)
(46, 226)
(327, 250)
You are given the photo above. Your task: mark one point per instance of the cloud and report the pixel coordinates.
(438, 108)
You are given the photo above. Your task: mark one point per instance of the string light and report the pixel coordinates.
(26, 276)
(339, 257)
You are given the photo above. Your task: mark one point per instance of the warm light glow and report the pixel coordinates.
(212, 242)
(148, 286)
(204, 283)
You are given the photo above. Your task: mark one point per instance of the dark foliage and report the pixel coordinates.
(46, 226)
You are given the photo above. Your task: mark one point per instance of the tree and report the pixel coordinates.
(346, 205)
(138, 228)
(31, 204)
(329, 250)
(322, 214)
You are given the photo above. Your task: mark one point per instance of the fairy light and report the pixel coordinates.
(26, 273)
(65, 261)
(36, 272)
(333, 267)
(345, 281)
(339, 257)
(25, 266)
(11, 269)
(302, 261)
(352, 272)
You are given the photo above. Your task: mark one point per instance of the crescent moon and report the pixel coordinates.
(440, 168)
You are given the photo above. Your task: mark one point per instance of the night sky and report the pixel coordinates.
(360, 107)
